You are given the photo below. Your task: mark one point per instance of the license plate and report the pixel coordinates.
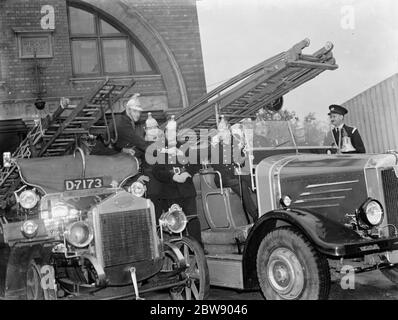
(82, 184)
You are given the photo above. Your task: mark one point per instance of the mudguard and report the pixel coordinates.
(14, 262)
(329, 237)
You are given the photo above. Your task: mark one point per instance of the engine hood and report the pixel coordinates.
(49, 174)
(332, 185)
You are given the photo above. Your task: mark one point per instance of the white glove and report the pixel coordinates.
(181, 178)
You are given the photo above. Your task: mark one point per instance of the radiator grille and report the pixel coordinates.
(390, 188)
(127, 237)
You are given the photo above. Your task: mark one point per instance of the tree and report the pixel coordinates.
(282, 115)
(310, 117)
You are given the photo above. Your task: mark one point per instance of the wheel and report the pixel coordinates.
(289, 267)
(34, 289)
(197, 272)
(391, 274)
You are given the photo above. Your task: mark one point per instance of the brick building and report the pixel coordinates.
(61, 48)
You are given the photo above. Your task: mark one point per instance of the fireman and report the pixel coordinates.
(130, 136)
(175, 174)
(346, 138)
(228, 154)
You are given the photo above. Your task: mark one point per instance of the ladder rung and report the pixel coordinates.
(70, 107)
(92, 106)
(84, 118)
(72, 123)
(74, 130)
(97, 129)
(236, 116)
(64, 140)
(235, 104)
(59, 143)
(78, 122)
(79, 118)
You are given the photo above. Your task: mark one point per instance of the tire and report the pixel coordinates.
(197, 271)
(391, 274)
(34, 290)
(289, 267)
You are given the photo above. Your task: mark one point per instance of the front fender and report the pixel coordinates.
(14, 263)
(328, 236)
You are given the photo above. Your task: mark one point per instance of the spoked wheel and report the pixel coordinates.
(289, 267)
(197, 272)
(34, 288)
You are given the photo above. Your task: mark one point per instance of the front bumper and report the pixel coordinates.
(360, 248)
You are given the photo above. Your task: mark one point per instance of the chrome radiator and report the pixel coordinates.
(390, 188)
(125, 231)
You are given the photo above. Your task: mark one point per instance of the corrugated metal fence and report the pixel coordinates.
(375, 113)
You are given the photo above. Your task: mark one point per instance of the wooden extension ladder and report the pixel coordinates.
(258, 87)
(55, 135)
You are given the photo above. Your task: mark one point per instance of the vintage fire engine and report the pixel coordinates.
(77, 224)
(318, 210)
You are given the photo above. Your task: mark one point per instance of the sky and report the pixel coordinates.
(237, 34)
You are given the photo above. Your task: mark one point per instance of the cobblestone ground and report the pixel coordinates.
(368, 286)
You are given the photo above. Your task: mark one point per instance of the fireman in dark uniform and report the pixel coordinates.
(346, 138)
(229, 158)
(175, 174)
(130, 136)
(131, 140)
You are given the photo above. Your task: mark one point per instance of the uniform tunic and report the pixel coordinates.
(129, 136)
(183, 194)
(353, 134)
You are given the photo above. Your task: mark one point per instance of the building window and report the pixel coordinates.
(100, 48)
(33, 42)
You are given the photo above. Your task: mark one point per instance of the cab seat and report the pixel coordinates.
(223, 219)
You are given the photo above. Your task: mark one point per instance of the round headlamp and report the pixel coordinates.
(174, 220)
(79, 234)
(28, 199)
(29, 229)
(137, 189)
(286, 201)
(371, 213)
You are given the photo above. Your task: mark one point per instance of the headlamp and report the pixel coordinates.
(29, 229)
(79, 234)
(286, 201)
(371, 213)
(137, 189)
(28, 199)
(174, 219)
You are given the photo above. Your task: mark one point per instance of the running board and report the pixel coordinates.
(225, 270)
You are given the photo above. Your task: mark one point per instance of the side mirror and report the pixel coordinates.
(7, 159)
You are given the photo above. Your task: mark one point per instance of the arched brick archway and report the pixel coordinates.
(133, 22)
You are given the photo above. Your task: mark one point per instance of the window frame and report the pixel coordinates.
(99, 37)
